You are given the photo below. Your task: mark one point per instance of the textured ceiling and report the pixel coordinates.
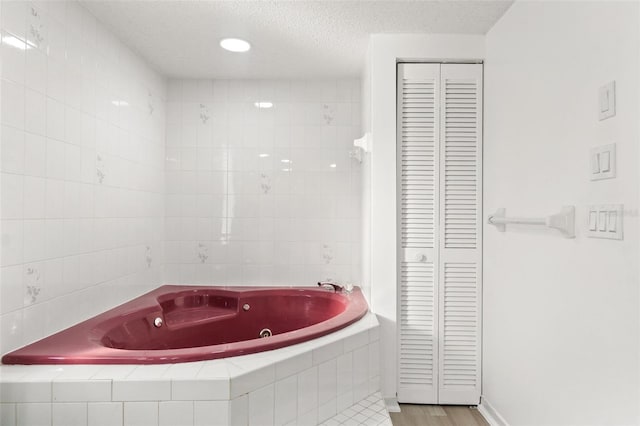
(289, 38)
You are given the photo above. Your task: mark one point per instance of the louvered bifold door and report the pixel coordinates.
(417, 142)
(460, 234)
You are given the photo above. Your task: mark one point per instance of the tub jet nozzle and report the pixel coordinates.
(265, 333)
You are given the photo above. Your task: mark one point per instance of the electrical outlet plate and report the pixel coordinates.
(603, 162)
(605, 221)
(607, 101)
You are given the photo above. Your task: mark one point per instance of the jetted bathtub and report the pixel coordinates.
(193, 323)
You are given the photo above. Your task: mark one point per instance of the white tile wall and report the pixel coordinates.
(69, 414)
(261, 406)
(141, 390)
(81, 170)
(239, 411)
(104, 413)
(70, 391)
(33, 414)
(91, 192)
(307, 391)
(286, 394)
(259, 196)
(176, 413)
(140, 413)
(210, 413)
(327, 382)
(253, 195)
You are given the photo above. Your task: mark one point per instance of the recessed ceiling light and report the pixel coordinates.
(263, 104)
(263, 155)
(235, 45)
(284, 160)
(333, 166)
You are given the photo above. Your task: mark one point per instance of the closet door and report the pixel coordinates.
(440, 205)
(418, 98)
(460, 263)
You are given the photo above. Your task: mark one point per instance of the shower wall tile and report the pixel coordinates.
(286, 392)
(104, 413)
(210, 413)
(32, 414)
(262, 196)
(261, 406)
(140, 413)
(69, 414)
(81, 170)
(172, 413)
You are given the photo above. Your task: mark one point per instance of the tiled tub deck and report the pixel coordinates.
(304, 384)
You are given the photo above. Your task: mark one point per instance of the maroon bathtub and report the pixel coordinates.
(184, 323)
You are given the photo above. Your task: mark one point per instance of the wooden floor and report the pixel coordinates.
(437, 415)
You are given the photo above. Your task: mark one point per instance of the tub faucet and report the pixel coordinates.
(336, 288)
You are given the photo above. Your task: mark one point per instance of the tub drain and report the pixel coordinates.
(265, 332)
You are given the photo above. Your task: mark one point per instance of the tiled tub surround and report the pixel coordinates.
(304, 384)
(82, 162)
(262, 196)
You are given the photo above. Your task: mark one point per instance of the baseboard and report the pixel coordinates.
(392, 405)
(490, 414)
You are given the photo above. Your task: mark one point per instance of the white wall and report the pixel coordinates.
(252, 197)
(82, 164)
(384, 52)
(560, 315)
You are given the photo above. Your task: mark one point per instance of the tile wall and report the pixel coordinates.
(95, 199)
(260, 186)
(82, 170)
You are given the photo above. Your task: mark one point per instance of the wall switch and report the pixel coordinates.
(595, 163)
(593, 221)
(612, 221)
(602, 221)
(605, 221)
(607, 101)
(603, 162)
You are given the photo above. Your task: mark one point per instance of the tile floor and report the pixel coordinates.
(371, 411)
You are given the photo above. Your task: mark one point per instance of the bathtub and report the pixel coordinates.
(305, 384)
(175, 324)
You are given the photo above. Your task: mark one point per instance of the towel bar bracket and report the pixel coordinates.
(563, 221)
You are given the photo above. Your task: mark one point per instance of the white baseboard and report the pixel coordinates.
(392, 405)
(490, 414)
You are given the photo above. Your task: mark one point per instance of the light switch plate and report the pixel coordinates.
(603, 162)
(605, 221)
(607, 101)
